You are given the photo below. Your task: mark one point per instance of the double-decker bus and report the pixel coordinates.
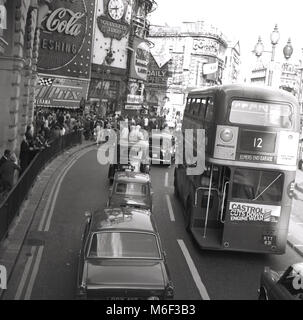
(243, 199)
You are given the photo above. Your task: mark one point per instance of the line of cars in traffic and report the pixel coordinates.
(122, 257)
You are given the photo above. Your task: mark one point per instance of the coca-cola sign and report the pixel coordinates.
(66, 38)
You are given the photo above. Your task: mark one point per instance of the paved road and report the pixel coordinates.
(47, 265)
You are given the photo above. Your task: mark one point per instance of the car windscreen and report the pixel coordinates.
(131, 188)
(261, 114)
(124, 245)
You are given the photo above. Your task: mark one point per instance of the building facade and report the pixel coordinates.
(195, 53)
(19, 46)
(65, 51)
(232, 63)
(120, 55)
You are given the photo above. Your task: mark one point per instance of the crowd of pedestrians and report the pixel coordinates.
(48, 125)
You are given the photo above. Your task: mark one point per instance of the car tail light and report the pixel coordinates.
(169, 291)
(82, 293)
(226, 135)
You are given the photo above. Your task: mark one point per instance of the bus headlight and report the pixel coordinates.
(226, 135)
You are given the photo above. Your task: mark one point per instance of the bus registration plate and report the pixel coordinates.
(269, 240)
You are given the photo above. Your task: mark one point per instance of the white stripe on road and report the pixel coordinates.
(298, 245)
(194, 271)
(166, 179)
(170, 209)
(47, 226)
(45, 211)
(34, 274)
(25, 274)
(55, 190)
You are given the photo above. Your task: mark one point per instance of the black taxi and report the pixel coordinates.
(122, 257)
(131, 189)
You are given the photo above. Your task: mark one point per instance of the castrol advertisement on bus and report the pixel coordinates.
(250, 212)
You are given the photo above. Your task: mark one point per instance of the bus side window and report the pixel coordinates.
(192, 107)
(202, 109)
(196, 107)
(210, 110)
(187, 108)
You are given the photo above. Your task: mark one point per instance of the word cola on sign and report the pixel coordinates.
(3, 278)
(55, 21)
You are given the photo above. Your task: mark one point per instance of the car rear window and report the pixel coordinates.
(131, 188)
(124, 245)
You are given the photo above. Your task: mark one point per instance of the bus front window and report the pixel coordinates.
(259, 186)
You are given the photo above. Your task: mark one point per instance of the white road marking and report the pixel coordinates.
(51, 212)
(298, 245)
(45, 211)
(25, 274)
(166, 179)
(34, 274)
(170, 209)
(194, 271)
(53, 190)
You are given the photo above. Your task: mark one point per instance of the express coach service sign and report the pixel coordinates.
(66, 37)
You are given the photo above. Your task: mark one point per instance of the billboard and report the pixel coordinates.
(140, 60)
(66, 39)
(55, 92)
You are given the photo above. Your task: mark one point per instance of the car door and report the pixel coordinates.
(82, 250)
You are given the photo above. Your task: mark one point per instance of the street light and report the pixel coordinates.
(274, 38)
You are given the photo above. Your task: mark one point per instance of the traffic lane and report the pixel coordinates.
(185, 287)
(226, 275)
(51, 272)
(84, 188)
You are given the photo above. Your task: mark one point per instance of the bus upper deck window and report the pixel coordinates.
(261, 114)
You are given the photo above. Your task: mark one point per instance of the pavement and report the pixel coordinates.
(10, 248)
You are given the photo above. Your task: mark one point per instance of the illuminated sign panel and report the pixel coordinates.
(140, 60)
(66, 38)
(61, 92)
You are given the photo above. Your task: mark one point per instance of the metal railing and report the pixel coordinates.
(10, 206)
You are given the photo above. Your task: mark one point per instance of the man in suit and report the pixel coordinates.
(7, 172)
(5, 157)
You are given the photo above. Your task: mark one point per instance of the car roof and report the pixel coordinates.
(132, 177)
(128, 219)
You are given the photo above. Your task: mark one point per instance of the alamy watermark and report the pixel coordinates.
(187, 148)
(3, 277)
(298, 282)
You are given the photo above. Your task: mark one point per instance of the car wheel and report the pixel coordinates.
(262, 294)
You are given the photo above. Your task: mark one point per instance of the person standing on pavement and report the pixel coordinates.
(7, 172)
(5, 156)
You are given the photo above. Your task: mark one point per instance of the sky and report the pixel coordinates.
(243, 20)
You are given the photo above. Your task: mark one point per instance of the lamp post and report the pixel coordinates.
(274, 38)
(259, 49)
